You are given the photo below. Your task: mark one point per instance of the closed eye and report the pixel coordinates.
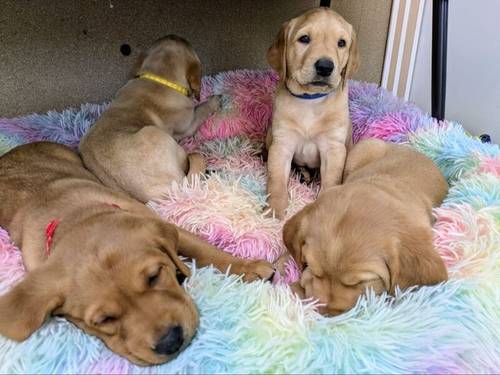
(154, 278)
(108, 319)
(360, 283)
(104, 320)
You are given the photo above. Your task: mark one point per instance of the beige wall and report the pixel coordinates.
(370, 18)
(57, 53)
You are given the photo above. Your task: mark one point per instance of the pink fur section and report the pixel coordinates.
(246, 97)
(489, 164)
(465, 238)
(11, 261)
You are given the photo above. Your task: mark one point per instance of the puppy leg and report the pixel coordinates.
(197, 165)
(201, 113)
(278, 172)
(332, 165)
(205, 254)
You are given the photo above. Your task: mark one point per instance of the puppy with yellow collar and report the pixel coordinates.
(314, 54)
(133, 146)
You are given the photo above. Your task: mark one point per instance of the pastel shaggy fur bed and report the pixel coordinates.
(261, 328)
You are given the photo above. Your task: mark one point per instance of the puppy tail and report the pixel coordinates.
(197, 165)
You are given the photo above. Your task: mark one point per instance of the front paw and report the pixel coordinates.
(214, 102)
(277, 207)
(298, 290)
(282, 262)
(254, 270)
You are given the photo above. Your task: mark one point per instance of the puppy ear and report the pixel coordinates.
(25, 307)
(194, 78)
(168, 241)
(352, 61)
(414, 261)
(293, 236)
(276, 54)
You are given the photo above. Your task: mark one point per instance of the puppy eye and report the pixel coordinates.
(180, 277)
(153, 279)
(341, 43)
(106, 319)
(304, 39)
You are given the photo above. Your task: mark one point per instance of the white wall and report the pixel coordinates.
(473, 81)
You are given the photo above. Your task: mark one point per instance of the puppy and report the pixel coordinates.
(133, 146)
(99, 258)
(314, 54)
(374, 231)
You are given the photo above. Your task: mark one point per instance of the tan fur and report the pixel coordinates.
(101, 256)
(133, 146)
(314, 133)
(374, 231)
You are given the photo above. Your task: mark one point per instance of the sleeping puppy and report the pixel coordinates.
(133, 146)
(314, 54)
(99, 258)
(374, 231)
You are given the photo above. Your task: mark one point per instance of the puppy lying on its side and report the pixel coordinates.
(98, 257)
(133, 146)
(314, 54)
(374, 231)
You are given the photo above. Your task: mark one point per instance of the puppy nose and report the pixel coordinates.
(324, 67)
(171, 341)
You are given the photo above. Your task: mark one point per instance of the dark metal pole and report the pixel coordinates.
(439, 49)
(324, 3)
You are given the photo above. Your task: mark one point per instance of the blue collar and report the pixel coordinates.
(308, 96)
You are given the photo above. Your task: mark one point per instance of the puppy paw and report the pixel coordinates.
(277, 208)
(280, 264)
(214, 103)
(255, 270)
(197, 164)
(298, 290)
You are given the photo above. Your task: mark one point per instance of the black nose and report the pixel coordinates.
(324, 67)
(171, 341)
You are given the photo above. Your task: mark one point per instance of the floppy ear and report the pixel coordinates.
(193, 77)
(352, 61)
(25, 307)
(168, 241)
(293, 236)
(414, 261)
(276, 54)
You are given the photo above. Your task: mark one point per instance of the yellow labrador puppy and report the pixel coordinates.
(133, 146)
(374, 231)
(314, 54)
(99, 258)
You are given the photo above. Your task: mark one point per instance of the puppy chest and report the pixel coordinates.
(307, 154)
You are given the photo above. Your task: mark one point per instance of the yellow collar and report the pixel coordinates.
(165, 82)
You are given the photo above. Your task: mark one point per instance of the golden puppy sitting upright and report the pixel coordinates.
(314, 54)
(374, 231)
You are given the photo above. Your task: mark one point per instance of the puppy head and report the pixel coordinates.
(174, 58)
(352, 239)
(123, 285)
(315, 52)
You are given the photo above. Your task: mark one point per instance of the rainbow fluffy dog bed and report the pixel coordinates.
(262, 328)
